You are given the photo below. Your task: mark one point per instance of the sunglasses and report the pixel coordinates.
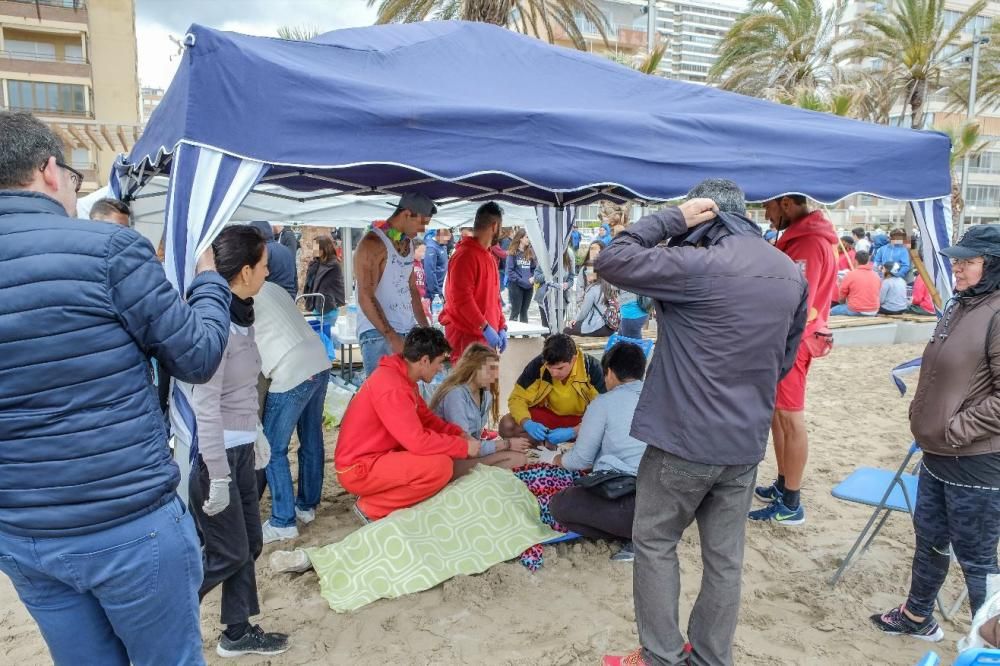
(74, 175)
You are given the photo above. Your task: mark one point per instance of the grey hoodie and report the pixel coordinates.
(730, 316)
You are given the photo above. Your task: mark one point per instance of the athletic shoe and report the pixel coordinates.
(305, 516)
(361, 514)
(254, 641)
(777, 512)
(290, 561)
(767, 494)
(626, 554)
(272, 533)
(896, 623)
(631, 659)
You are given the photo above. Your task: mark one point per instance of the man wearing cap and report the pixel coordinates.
(955, 420)
(473, 312)
(387, 290)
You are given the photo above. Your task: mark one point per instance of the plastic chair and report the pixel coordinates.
(645, 345)
(882, 489)
(978, 657)
(930, 659)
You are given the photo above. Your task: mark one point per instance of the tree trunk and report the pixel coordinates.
(917, 104)
(496, 12)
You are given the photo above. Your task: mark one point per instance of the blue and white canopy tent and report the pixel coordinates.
(473, 112)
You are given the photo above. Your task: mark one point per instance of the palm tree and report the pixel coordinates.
(966, 140)
(779, 48)
(531, 17)
(987, 79)
(297, 33)
(912, 47)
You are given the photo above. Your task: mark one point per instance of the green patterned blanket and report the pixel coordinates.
(486, 517)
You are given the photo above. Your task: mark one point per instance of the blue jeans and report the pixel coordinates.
(373, 347)
(126, 594)
(632, 328)
(300, 408)
(842, 309)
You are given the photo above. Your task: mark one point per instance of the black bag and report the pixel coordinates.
(608, 483)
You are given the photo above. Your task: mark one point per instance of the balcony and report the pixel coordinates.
(44, 65)
(66, 11)
(625, 37)
(50, 113)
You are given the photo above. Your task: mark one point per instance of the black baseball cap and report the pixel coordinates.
(980, 240)
(417, 203)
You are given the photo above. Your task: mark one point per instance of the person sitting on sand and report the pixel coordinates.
(859, 290)
(393, 451)
(470, 398)
(552, 393)
(892, 295)
(605, 443)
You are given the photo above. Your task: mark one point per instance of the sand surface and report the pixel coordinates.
(579, 606)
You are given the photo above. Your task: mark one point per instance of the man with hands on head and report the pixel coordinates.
(731, 310)
(552, 393)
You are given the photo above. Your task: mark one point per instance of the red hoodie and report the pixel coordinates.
(809, 243)
(472, 289)
(388, 414)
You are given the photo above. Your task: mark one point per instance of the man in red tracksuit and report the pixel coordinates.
(472, 311)
(808, 240)
(393, 451)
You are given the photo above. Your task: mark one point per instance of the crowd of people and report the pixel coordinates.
(113, 564)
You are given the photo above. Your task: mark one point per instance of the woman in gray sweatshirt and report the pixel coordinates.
(223, 486)
(469, 398)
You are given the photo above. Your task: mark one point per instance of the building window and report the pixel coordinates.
(74, 53)
(52, 97)
(79, 158)
(25, 50)
(983, 195)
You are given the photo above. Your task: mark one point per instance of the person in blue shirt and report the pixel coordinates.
(895, 252)
(435, 263)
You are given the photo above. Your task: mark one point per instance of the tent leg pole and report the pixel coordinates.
(560, 268)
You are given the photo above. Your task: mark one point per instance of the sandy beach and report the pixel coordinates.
(579, 606)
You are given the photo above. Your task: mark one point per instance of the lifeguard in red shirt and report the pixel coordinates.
(393, 451)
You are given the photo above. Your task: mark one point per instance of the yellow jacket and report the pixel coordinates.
(569, 398)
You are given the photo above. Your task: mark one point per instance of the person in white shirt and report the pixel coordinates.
(294, 359)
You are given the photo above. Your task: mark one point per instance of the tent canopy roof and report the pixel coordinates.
(478, 112)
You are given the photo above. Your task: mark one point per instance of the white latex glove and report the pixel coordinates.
(546, 456)
(261, 449)
(218, 497)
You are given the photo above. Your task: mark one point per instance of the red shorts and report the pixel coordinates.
(551, 420)
(792, 389)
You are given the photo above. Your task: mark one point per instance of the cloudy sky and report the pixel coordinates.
(158, 20)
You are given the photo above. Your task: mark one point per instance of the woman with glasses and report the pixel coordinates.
(955, 419)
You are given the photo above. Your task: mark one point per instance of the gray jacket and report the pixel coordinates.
(458, 407)
(604, 441)
(729, 320)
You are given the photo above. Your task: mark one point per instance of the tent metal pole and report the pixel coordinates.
(345, 239)
(560, 239)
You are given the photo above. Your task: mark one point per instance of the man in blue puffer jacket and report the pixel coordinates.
(92, 535)
(435, 263)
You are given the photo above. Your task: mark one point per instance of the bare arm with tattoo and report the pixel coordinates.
(369, 264)
(418, 306)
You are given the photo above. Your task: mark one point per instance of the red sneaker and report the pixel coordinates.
(490, 434)
(631, 659)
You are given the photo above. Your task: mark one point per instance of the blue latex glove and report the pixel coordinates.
(503, 341)
(492, 338)
(535, 430)
(560, 435)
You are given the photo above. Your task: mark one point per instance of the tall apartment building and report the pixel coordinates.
(982, 203)
(73, 64)
(149, 99)
(692, 30)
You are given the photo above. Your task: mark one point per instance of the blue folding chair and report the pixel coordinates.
(645, 345)
(882, 489)
(978, 657)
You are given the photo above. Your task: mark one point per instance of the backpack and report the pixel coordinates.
(611, 315)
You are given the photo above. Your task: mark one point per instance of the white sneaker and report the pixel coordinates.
(305, 517)
(272, 533)
(290, 561)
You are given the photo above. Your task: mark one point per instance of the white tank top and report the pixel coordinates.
(393, 291)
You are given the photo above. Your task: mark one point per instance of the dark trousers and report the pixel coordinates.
(632, 328)
(966, 518)
(671, 494)
(520, 300)
(593, 516)
(232, 538)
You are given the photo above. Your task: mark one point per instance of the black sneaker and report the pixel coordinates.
(767, 494)
(896, 623)
(254, 641)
